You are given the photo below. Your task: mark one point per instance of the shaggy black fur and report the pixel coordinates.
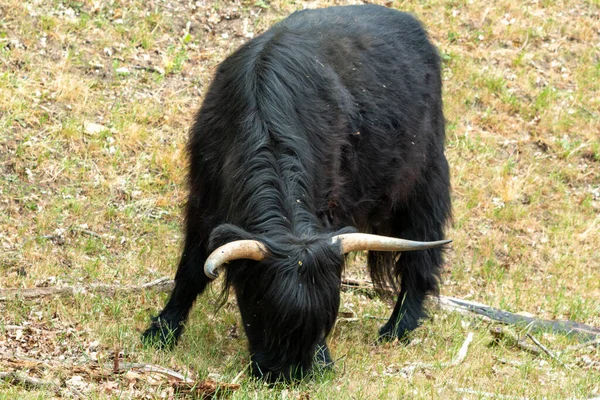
(329, 122)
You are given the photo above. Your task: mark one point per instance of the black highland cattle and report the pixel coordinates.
(328, 124)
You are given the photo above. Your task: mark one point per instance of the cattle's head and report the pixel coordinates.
(288, 291)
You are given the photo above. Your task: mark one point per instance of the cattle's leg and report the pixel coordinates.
(190, 281)
(418, 271)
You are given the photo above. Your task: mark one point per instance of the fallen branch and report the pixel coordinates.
(27, 362)
(92, 369)
(28, 382)
(573, 329)
(160, 285)
(589, 343)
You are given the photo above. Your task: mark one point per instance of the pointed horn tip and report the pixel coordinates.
(440, 243)
(212, 275)
(211, 272)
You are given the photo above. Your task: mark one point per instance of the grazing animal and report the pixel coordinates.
(328, 124)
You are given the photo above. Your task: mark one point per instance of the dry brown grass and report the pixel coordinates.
(80, 205)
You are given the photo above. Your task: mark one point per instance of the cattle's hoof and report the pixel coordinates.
(400, 332)
(161, 334)
(322, 360)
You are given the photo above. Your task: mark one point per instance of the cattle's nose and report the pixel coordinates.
(286, 374)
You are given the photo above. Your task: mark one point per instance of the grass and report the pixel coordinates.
(81, 205)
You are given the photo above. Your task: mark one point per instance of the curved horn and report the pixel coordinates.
(238, 249)
(364, 241)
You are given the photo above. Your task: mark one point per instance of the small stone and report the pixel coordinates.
(92, 128)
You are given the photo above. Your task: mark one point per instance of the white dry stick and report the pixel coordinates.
(344, 319)
(239, 375)
(462, 353)
(594, 342)
(12, 327)
(159, 285)
(460, 357)
(547, 351)
(169, 373)
(155, 369)
(488, 394)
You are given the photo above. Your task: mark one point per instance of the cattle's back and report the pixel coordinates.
(339, 109)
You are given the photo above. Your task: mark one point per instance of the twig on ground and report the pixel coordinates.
(74, 392)
(161, 285)
(547, 351)
(116, 361)
(348, 319)
(357, 284)
(150, 69)
(87, 232)
(150, 368)
(364, 287)
(501, 334)
(509, 362)
(27, 381)
(20, 359)
(421, 365)
(484, 16)
(488, 394)
(593, 343)
(92, 369)
(369, 316)
(460, 357)
(524, 43)
(206, 389)
(240, 374)
(462, 353)
(20, 328)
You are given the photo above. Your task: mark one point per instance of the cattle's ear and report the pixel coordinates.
(347, 229)
(226, 233)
